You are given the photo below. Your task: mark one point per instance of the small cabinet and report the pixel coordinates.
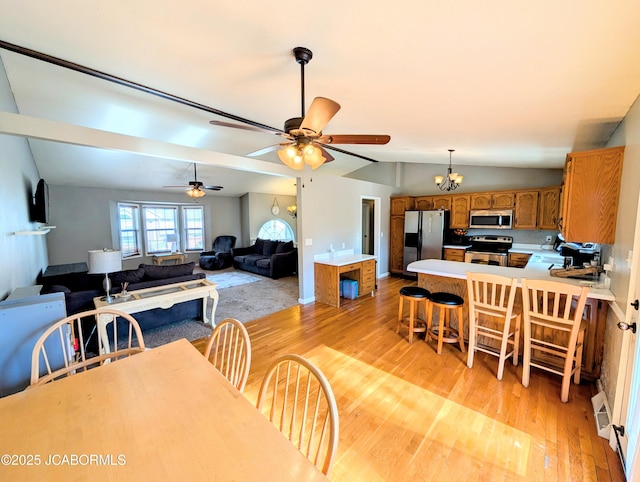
(526, 212)
(493, 200)
(518, 260)
(401, 204)
(590, 192)
(368, 277)
(423, 203)
(549, 208)
(442, 202)
(454, 254)
(460, 211)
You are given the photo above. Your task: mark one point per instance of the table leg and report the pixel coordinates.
(209, 318)
(103, 338)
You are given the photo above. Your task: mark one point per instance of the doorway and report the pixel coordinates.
(368, 226)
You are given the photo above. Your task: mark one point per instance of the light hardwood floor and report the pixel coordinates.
(408, 414)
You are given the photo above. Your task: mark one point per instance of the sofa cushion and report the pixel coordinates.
(263, 263)
(127, 276)
(284, 247)
(252, 258)
(54, 289)
(153, 272)
(269, 247)
(258, 246)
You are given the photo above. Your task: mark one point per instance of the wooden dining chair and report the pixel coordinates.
(62, 349)
(229, 350)
(554, 328)
(491, 317)
(297, 398)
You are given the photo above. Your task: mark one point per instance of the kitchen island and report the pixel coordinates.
(451, 277)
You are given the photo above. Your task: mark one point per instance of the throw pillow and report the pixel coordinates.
(153, 272)
(269, 247)
(127, 276)
(284, 247)
(258, 246)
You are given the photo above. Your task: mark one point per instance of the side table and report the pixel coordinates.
(162, 258)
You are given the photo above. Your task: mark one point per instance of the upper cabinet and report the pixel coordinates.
(549, 208)
(401, 204)
(423, 203)
(460, 211)
(590, 192)
(428, 203)
(493, 200)
(526, 212)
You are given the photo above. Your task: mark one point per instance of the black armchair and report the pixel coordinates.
(220, 257)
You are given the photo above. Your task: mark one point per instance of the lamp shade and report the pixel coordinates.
(172, 238)
(104, 261)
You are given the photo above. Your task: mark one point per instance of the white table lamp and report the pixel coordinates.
(105, 261)
(172, 242)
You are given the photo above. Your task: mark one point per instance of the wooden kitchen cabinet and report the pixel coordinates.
(442, 202)
(401, 204)
(454, 254)
(526, 212)
(396, 244)
(423, 203)
(590, 192)
(493, 200)
(549, 208)
(460, 211)
(518, 260)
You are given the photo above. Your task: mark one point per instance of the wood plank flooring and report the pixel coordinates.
(408, 414)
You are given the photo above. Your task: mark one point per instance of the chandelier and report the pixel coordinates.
(297, 155)
(451, 181)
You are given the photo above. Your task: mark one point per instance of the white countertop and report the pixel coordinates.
(537, 268)
(343, 259)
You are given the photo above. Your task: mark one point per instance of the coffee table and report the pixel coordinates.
(164, 296)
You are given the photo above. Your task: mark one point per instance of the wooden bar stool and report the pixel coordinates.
(445, 302)
(415, 296)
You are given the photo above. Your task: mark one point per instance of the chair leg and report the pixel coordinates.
(503, 349)
(580, 343)
(526, 361)
(472, 342)
(441, 316)
(516, 341)
(412, 309)
(400, 307)
(460, 328)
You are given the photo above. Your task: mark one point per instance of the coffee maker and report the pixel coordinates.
(581, 253)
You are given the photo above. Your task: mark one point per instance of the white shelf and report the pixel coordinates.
(42, 230)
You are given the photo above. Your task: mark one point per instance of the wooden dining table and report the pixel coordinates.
(165, 414)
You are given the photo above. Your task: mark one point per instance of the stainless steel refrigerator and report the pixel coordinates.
(424, 233)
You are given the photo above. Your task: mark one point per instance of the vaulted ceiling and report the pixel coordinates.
(504, 83)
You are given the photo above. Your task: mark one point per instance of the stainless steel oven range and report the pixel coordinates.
(487, 249)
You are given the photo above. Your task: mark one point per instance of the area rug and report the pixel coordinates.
(189, 329)
(229, 279)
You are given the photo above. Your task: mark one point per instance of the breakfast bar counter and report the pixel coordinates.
(450, 276)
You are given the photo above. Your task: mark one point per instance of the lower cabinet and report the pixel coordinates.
(518, 260)
(396, 244)
(454, 254)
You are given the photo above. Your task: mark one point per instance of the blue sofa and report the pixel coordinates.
(274, 259)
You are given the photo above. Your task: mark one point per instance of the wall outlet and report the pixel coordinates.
(549, 238)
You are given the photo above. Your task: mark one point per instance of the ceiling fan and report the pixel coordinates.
(307, 144)
(195, 188)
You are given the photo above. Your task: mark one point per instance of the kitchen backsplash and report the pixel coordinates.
(519, 236)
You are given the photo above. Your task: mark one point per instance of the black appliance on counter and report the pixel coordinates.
(486, 249)
(581, 253)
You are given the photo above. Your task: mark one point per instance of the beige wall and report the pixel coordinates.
(627, 134)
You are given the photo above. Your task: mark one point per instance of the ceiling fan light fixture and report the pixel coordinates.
(294, 162)
(194, 192)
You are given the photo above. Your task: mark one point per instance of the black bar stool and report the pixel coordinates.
(445, 302)
(415, 295)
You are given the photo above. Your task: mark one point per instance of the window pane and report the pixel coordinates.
(276, 229)
(129, 227)
(194, 228)
(159, 222)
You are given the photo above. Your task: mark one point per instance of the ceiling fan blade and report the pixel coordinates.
(355, 139)
(320, 113)
(333, 148)
(212, 188)
(266, 150)
(264, 129)
(183, 186)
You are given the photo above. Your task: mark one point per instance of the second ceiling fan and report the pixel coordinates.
(306, 142)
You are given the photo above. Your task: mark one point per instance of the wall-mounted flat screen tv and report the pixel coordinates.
(40, 206)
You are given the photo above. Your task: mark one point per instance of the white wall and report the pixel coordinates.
(21, 257)
(330, 212)
(82, 217)
(627, 134)
(259, 212)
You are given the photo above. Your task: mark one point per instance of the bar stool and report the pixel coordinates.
(445, 302)
(415, 296)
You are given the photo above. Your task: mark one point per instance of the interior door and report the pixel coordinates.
(367, 226)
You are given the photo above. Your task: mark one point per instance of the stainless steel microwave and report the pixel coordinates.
(491, 219)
